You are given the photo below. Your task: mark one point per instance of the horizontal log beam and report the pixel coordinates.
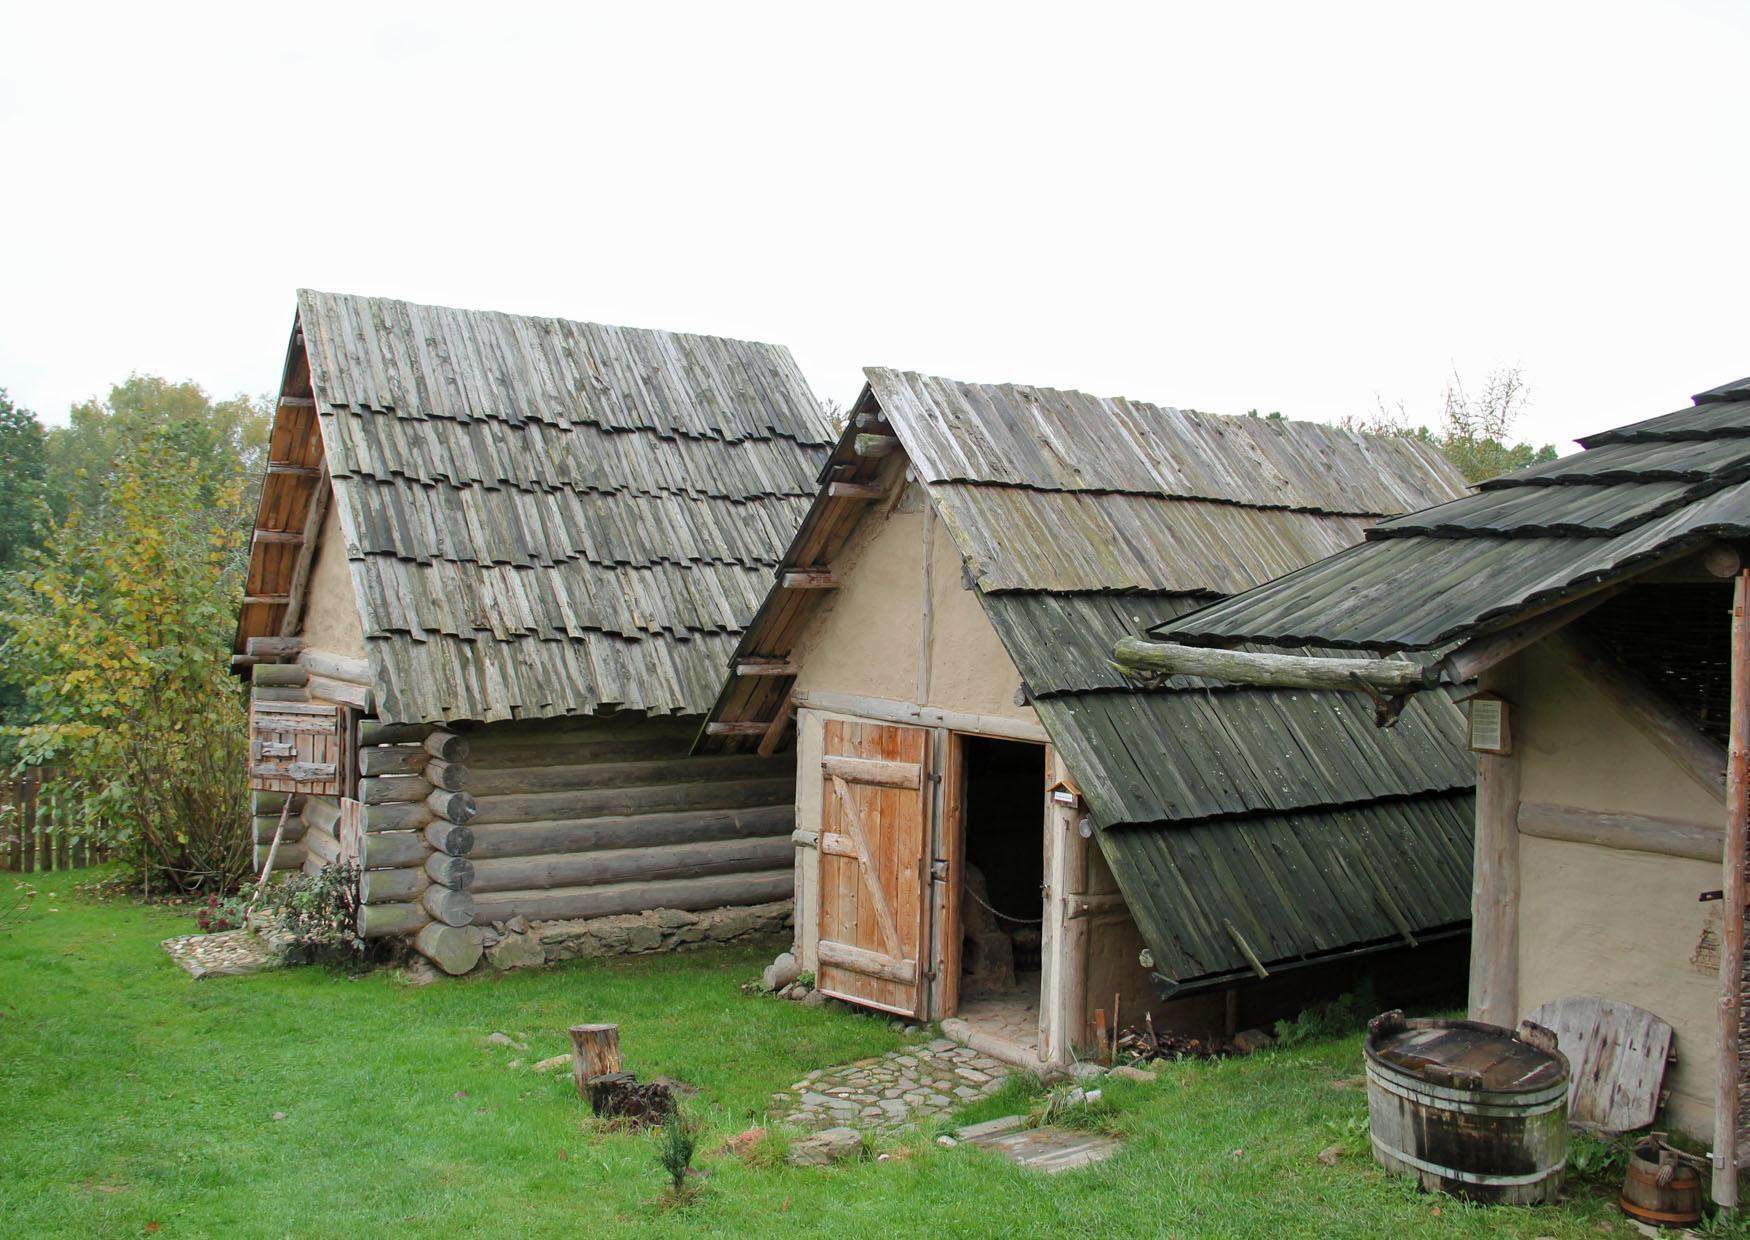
(454, 872)
(450, 746)
(578, 835)
(337, 666)
(274, 647)
(765, 667)
(376, 732)
(288, 537)
(289, 857)
(628, 865)
(381, 789)
(449, 776)
(654, 799)
(453, 806)
(343, 692)
(888, 710)
(854, 490)
(1138, 657)
(277, 469)
(874, 771)
(266, 600)
(1633, 832)
(872, 445)
(450, 837)
(688, 893)
(379, 921)
(393, 850)
(266, 824)
(279, 693)
(452, 907)
(392, 760)
(323, 812)
(736, 727)
(297, 402)
(454, 949)
(397, 816)
(673, 769)
(282, 674)
(321, 846)
(392, 886)
(808, 579)
(868, 963)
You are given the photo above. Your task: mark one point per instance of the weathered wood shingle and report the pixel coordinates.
(548, 518)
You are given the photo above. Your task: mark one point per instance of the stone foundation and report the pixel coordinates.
(520, 944)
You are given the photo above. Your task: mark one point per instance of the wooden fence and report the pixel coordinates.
(37, 835)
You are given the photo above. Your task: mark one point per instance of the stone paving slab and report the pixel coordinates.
(229, 953)
(1050, 1150)
(891, 1091)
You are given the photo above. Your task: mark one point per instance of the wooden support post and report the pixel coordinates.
(1064, 941)
(1494, 944)
(595, 1051)
(1729, 1069)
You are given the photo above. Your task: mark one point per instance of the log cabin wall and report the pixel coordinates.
(593, 817)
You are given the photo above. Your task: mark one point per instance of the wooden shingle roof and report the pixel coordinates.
(545, 517)
(1303, 830)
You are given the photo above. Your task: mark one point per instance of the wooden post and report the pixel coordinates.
(1064, 940)
(1729, 1069)
(1494, 944)
(595, 1051)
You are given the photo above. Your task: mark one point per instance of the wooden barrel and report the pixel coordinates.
(1675, 1203)
(1467, 1108)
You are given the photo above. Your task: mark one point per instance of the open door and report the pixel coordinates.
(874, 856)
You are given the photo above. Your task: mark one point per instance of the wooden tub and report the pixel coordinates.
(1467, 1108)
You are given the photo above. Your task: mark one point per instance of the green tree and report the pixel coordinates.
(117, 630)
(24, 508)
(225, 440)
(1476, 428)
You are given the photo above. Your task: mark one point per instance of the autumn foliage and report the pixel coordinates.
(116, 632)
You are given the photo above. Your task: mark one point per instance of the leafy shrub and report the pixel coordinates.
(1342, 1015)
(1596, 1160)
(117, 632)
(321, 914)
(222, 913)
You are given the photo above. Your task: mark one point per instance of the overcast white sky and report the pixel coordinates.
(1291, 207)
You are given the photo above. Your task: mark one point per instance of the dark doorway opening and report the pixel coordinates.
(1001, 904)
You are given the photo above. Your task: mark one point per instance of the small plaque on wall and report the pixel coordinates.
(1489, 728)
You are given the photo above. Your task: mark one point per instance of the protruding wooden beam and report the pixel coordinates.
(875, 445)
(854, 490)
(808, 579)
(274, 647)
(281, 470)
(277, 536)
(283, 674)
(271, 600)
(765, 667)
(740, 727)
(1288, 671)
(297, 402)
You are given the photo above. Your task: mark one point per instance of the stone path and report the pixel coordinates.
(227, 953)
(892, 1090)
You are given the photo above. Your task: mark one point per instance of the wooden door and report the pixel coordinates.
(294, 747)
(874, 864)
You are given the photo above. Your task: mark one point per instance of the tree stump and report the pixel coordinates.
(618, 1095)
(595, 1051)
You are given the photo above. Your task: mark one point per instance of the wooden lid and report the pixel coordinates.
(1469, 1055)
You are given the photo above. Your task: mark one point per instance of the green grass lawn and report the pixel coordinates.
(134, 1100)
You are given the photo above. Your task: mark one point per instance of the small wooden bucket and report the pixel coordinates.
(1660, 1189)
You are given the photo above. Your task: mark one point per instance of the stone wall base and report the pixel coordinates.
(520, 944)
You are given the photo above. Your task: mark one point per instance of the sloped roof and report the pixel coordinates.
(1637, 495)
(1081, 520)
(545, 517)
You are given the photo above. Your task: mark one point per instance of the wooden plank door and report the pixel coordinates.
(874, 865)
